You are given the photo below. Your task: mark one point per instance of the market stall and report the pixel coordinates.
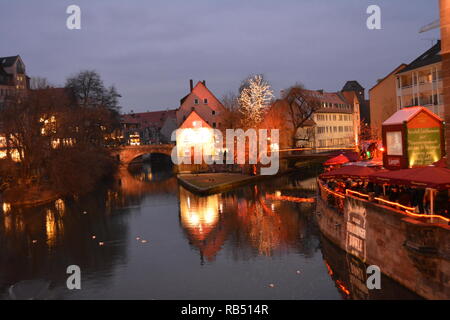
(413, 137)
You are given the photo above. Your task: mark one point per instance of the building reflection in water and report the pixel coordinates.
(199, 215)
(243, 228)
(350, 276)
(40, 242)
(200, 218)
(6, 207)
(13, 224)
(253, 224)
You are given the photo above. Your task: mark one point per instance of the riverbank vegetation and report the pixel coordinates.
(55, 139)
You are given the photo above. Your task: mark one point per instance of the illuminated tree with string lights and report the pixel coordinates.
(255, 96)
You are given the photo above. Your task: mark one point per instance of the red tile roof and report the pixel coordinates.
(149, 119)
(194, 117)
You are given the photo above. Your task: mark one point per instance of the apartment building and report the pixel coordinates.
(331, 126)
(13, 79)
(383, 100)
(420, 82)
(335, 126)
(12, 76)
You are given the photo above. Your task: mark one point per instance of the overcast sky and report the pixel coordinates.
(150, 49)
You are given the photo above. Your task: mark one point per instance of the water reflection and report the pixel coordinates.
(350, 276)
(223, 246)
(6, 207)
(198, 215)
(40, 243)
(254, 223)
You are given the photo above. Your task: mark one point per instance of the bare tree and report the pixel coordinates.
(89, 91)
(28, 126)
(95, 104)
(60, 144)
(230, 101)
(232, 117)
(301, 105)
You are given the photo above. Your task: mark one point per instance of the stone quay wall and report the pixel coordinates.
(414, 253)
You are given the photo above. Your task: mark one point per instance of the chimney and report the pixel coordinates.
(204, 82)
(191, 84)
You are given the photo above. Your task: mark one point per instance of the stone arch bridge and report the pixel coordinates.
(127, 154)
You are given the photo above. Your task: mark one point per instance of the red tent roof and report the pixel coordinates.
(340, 159)
(349, 172)
(351, 155)
(425, 177)
(441, 163)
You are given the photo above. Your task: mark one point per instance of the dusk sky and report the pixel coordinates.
(150, 49)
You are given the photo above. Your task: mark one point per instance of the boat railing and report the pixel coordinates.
(337, 199)
(333, 198)
(406, 210)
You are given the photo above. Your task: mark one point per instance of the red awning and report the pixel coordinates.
(424, 177)
(340, 159)
(441, 163)
(355, 172)
(351, 155)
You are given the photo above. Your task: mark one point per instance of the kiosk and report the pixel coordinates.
(413, 137)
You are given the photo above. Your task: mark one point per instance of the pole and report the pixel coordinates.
(431, 201)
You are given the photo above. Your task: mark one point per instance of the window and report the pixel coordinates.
(195, 101)
(214, 125)
(205, 101)
(196, 124)
(213, 112)
(394, 143)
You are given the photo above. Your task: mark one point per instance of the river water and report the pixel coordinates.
(146, 237)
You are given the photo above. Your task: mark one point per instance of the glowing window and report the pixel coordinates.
(394, 143)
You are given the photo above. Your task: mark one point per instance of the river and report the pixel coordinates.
(146, 237)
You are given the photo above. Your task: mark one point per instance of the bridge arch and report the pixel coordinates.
(127, 154)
